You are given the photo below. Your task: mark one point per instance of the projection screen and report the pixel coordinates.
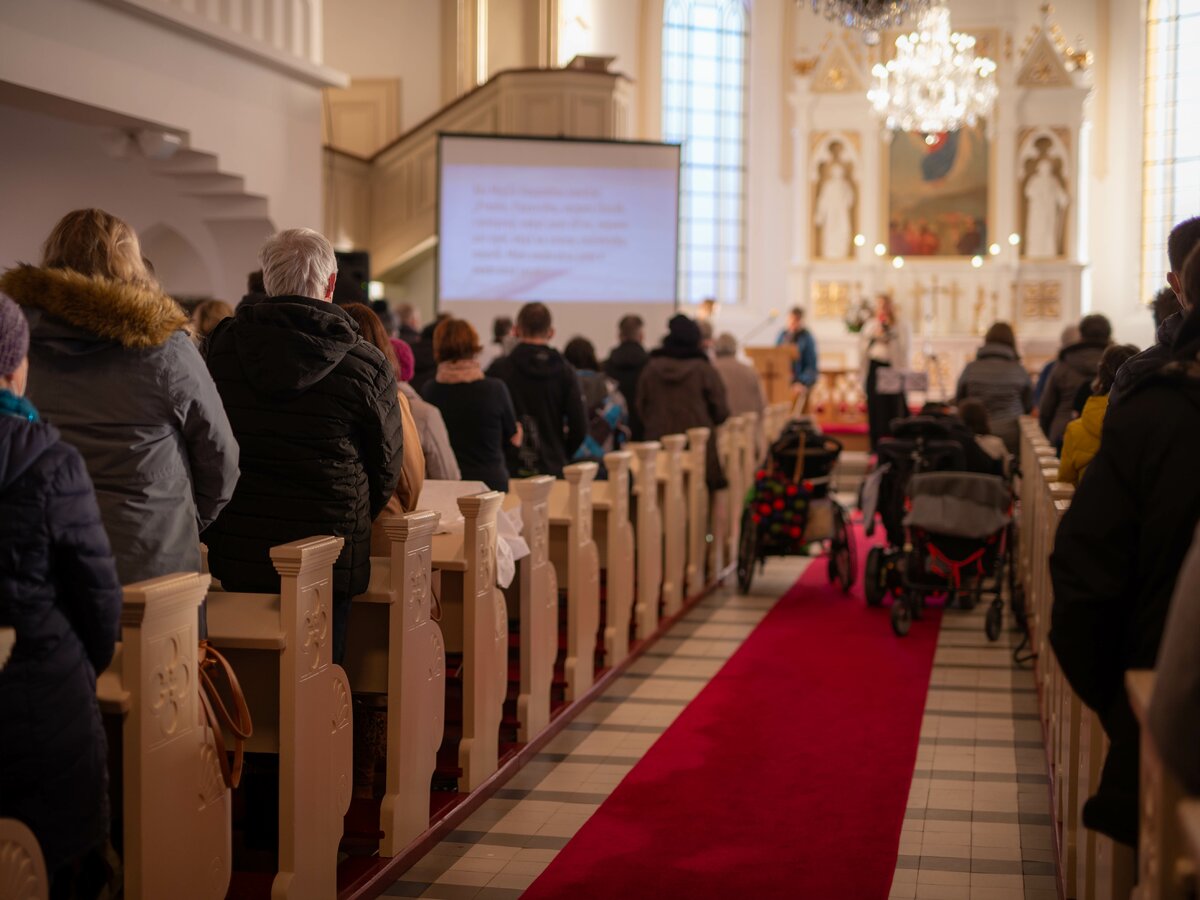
(589, 228)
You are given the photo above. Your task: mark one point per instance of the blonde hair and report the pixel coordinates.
(209, 314)
(95, 243)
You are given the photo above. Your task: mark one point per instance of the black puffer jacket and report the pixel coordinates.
(59, 591)
(549, 405)
(313, 407)
(1116, 558)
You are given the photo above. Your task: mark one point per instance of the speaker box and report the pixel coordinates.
(354, 271)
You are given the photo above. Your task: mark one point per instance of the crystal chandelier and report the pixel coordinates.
(935, 83)
(869, 16)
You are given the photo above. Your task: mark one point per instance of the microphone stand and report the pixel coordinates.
(771, 317)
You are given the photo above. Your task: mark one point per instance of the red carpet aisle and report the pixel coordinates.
(786, 777)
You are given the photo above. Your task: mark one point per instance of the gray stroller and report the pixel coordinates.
(957, 544)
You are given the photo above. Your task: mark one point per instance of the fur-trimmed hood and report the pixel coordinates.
(135, 317)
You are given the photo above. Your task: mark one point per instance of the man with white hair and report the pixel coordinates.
(313, 407)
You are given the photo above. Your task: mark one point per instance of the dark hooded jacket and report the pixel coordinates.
(679, 389)
(549, 405)
(59, 591)
(1116, 558)
(111, 366)
(1076, 366)
(1149, 360)
(424, 364)
(314, 408)
(624, 366)
(997, 379)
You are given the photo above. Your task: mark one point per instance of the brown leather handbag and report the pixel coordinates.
(213, 667)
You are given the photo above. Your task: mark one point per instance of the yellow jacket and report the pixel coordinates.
(1081, 441)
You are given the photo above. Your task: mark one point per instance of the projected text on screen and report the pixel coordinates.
(556, 232)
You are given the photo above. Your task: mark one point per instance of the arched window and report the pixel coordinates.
(704, 108)
(1171, 161)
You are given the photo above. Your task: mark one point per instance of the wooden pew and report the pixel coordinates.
(1165, 872)
(395, 648)
(649, 537)
(673, 504)
(577, 562)
(695, 471)
(176, 807)
(534, 594)
(475, 624)
(613, 533)
(280, 647)
(1189, 820)
(22, 870)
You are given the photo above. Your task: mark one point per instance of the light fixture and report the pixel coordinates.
(976, 262)
(1014, 239)
(994, 249)
(880, 249)
(897, 262)
(869, 16)
(934, 83)
(859, 240)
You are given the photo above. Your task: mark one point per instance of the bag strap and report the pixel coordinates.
(212, 665)
(798, 472)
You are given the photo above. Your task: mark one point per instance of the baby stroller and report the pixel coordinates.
(789, 506)
(958, 542)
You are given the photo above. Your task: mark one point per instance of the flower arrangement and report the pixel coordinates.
(857, 315)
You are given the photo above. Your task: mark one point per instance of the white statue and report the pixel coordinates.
(1045, 199)
(835, 204)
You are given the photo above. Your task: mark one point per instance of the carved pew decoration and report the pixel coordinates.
(537, 592)
(475, 624)
(751, 451)
(577, 562)
(614, 538)
(176, 804)
(394, 647)
(280, 645)
(695, 467)
(22, 869)
(648, 536)
(673, 504)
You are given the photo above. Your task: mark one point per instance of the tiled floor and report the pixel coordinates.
(977, 825)
(498, 852)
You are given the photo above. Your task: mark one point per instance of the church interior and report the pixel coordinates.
(474, 449)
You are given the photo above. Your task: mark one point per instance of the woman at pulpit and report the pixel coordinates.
(883, 344)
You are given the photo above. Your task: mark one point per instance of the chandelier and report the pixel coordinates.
(869, 16)
(935, 83)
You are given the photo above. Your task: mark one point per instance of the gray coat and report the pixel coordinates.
(997, 379)
(112, 368)
(1076, 365)
(743, 388)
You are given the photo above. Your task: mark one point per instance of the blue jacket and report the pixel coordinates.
(59, 591)
(804, 369)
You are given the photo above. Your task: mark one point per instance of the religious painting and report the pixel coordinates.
(938, 193)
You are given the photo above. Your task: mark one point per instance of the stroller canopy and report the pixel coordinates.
(958, 504)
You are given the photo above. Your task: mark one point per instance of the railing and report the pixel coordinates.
(398, 185)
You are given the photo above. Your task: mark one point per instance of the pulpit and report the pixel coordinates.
(774, 367)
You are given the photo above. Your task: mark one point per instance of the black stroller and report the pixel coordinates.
(948, 529)
(789, 506)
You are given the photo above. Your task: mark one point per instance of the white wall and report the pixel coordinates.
(389, 39)
(52, 166)
(263, 123)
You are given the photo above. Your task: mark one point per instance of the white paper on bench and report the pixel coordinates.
(442, 497)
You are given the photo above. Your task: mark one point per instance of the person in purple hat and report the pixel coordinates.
(61, 599)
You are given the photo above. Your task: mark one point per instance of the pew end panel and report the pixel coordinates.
(648, 536)
(537, 592)
(673, 505)
(22, 869)
(577, 561)
(611, 517)
(309, 707)
(696, 468)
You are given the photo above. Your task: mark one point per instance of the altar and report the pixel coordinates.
(962, 229)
